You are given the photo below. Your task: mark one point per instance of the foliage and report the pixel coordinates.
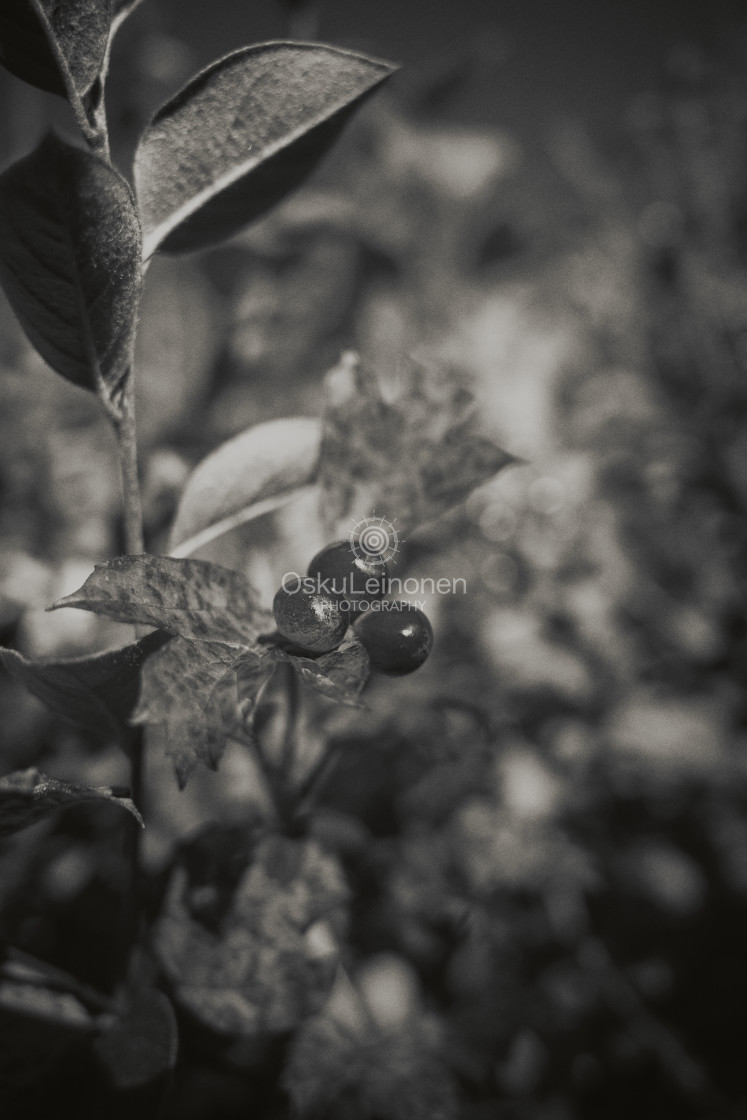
(511, 885)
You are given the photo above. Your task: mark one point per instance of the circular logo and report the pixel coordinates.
(374, 539)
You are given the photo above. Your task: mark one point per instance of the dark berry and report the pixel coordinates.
(353, 580)
(309, 620)
(397, 640)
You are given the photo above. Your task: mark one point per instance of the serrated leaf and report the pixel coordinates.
(192, 690)
(57, 45)
(241, 135)
(339, 675)
(193, 599)
(139, 1049)
(26, 796)
(271, 963)
(248, 475)
(98, 691)
(70, 263)
(410, 458)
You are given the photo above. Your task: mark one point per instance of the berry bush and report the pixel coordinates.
(452, 826)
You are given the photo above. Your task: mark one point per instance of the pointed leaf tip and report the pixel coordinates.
(194, 599)
(97, 691)
(243, 134)
(26, 796)
(59, 48)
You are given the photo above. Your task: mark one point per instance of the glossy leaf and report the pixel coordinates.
(248, 475)
(28, 796)
(98, 691)
(271, 963)
(241, 135)
(70, 263)
(190, 598)
(192, 690)
(58, 47)
(409, 458)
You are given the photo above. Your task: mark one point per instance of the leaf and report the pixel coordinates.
(273, 959)
(97, 692)
(409, 459)
(192, 690)
(20, 968)
(139, 1048)
(121, 9)
(57, 45)
(339, 675)
(26, 796)
(191, 598)
(400, 1074)
(241, 135)
(247, 476)
(50, 1005)
(70, 263)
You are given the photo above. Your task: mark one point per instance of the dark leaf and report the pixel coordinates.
(27, 796)
(29, 999)
(241, 135)
(191, 689)
(191, 598)
(409, 459)
(98, 692)
(139, 1049)
(28, 972)
(70, 263)
(57, 45)
(339, 675)
(245, 477)
(273, 959)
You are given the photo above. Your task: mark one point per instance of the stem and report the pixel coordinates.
(282, 778)
(317, 776)
(127, 449)
(291, 724)
(132, 516)
(132, 898)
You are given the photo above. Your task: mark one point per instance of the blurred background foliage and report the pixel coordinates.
(544, 832)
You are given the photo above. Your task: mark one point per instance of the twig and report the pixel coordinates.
(127, 450)
(288, 750)
(134, 545)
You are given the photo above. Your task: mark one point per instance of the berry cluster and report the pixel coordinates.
(341, 589)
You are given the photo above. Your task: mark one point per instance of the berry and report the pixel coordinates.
(397, 641)
(351, 579)
(309, 619)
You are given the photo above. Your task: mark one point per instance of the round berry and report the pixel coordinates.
(309, 620)
(353, 580)
(398, 640)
